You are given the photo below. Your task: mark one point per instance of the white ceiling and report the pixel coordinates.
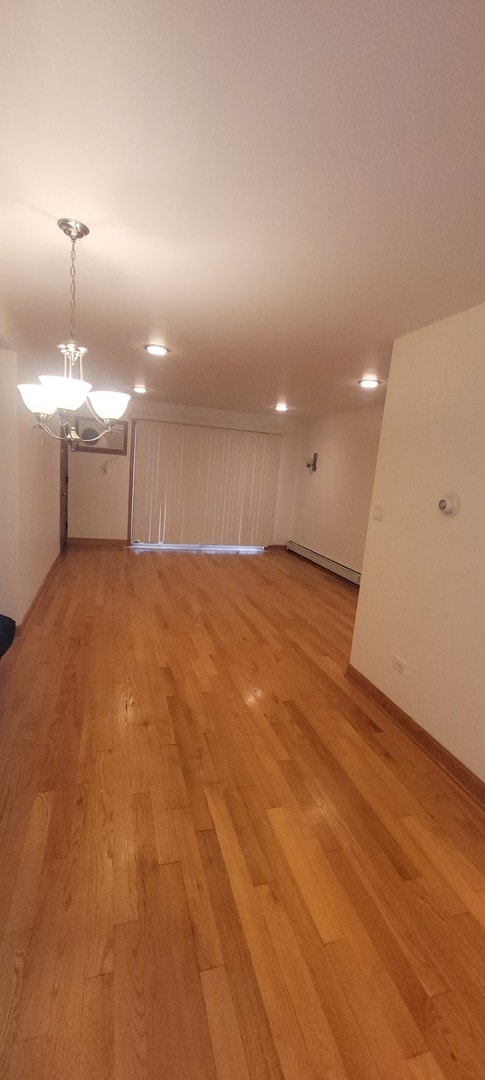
(275, 190)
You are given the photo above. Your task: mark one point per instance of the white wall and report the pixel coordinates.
(38, 507)
(98, 501)
(289, 477)
(332, 504)
(29, 491)
(9, 481)
(423, 584)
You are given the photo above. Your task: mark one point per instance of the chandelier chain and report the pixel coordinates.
(67, 393)
(72, 290)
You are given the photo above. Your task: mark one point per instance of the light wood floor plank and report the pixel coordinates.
(125, 897)
(28, 1059)
(99, 957)
(63, 1050)
(425, 1067)
(130, 1030)
(251, 1015)
(371, 1019)
(13, 954)
(97, 1057)
(322, 1049)
(35, 1001)
(206, 935)
(286, 1032)
(227, 1045)
(25, 895)
(311, 872)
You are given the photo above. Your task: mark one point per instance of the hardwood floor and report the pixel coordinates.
(220, 860)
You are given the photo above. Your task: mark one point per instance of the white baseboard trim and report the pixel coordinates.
(322, 560)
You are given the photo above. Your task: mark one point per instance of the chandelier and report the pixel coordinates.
(63, 394)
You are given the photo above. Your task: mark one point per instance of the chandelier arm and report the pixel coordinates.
(48, 431)
(97, 437)
(65, 435)
(99, 419)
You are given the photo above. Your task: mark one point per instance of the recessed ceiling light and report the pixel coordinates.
(139, 389)
(281, 406)
(156, 350)
(369, 384)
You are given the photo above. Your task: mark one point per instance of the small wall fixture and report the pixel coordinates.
(449, 504)
(311, 463)
(281, 406)
(369, 384)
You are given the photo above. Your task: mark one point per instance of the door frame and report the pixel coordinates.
(63, 495)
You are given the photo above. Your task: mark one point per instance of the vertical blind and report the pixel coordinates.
(203, 485)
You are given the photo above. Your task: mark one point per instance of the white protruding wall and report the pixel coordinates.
(423, 583)
(38, 507)
(29, 492)
(332, 504)
(9, 486)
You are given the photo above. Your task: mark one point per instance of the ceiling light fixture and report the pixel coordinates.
(139, 389)
(156, 350)
(369, 383)
(281, 406)
(66, 393)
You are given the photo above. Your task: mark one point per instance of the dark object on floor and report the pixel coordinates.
(7, 633)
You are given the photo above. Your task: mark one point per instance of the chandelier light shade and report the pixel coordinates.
(39, 399)
(66, 393)
(109, 403)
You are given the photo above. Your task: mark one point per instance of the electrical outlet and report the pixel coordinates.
(398, 664)
(378, 512)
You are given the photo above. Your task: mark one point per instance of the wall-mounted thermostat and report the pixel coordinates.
(449, 504)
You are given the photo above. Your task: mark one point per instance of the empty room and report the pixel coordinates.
(242, 383)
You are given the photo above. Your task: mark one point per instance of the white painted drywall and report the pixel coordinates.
(141, 409)
(332, 504)
(423, 583)
(38, 506)
(98, 501)
(29, 492)
(289, 480)
(9, 481)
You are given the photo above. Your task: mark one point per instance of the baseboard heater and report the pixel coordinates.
(321, 560)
